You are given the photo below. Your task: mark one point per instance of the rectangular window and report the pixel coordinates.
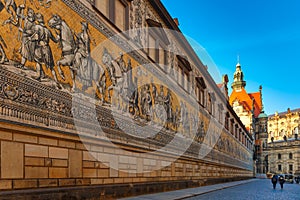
(200, 85)
(102, 6)
(158, 41)
(220, 115)
(116, 11)
(184, 71)
(179, 77)
(200, 94)
(120, 15)
(152, 47)
(227, 121)
(162, 55)
(279, 168)
(236, 129)
(202, 97)
(197, 93)
(186, 81)
(291, 167)
(231, 126)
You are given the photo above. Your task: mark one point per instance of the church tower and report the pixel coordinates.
(238, 78)
(249, 107)
(243, 103)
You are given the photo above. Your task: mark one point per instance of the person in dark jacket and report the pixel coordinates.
(281, 181)
(274, 180)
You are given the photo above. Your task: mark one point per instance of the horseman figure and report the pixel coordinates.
(67, 43)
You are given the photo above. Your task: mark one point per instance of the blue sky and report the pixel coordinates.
(264, 33)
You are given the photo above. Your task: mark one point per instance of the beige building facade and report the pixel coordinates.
(284, 124)
(105, 100)
(283, 148)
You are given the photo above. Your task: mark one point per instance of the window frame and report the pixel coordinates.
(201, 87)
(111, 16)
(184, 68)
(161, 42)
(227, 118)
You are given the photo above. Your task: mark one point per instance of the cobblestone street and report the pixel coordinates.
(258, 190)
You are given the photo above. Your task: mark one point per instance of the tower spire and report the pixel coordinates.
(238, 78)
(261, 98)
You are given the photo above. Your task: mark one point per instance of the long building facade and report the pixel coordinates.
(104, 100)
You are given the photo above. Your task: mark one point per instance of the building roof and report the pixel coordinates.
(245, 100)
(262, 115)
(286, 112)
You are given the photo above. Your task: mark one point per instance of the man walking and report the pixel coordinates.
(281, 181)
(274, 181)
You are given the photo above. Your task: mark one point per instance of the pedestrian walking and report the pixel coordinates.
(274, 180)
(281, 181)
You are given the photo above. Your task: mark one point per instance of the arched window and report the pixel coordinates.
(290, 156)
(279, 156)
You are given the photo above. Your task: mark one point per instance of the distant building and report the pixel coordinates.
(243, 103)
(283, 145)
(261, 136)
(249, 107)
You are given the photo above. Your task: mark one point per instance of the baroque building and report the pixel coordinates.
(103, 99)
(283, 144)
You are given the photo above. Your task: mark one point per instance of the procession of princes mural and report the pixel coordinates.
(113, 76)
(42, 45)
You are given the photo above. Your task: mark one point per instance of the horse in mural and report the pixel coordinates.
(67, 42)
(68, 46)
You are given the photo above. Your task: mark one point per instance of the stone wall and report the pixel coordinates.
(35, 159)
